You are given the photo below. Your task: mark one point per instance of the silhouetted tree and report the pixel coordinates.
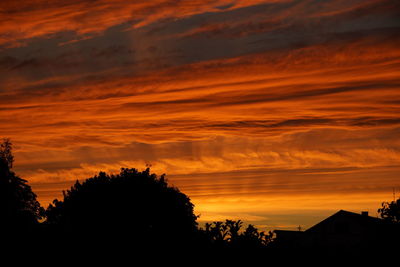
(6, 153)
(133, 206)
(233, 229)
(252, 238)
(390, 211)
(227, 235)
(20, 211)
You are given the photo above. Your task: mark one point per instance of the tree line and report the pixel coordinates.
(135, 207)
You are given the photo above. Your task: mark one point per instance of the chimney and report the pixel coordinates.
(364, 213)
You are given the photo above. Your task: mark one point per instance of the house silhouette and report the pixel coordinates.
(343, 232)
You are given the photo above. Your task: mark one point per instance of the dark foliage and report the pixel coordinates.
(228, 235)
(6, 153)
(390, 211)
(20, 210)
(135, 214)
(132, 206)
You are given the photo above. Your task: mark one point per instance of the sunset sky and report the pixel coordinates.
(276, 112)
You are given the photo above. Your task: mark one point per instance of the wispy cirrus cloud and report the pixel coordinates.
(89, 18)
(235, 100)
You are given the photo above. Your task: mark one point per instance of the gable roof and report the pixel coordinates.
(350, 215)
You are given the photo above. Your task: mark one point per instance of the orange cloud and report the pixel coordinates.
(252, 108)
(91, 18)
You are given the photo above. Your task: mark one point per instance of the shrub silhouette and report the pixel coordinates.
(135, 206)
(20, 211)
(227, 235)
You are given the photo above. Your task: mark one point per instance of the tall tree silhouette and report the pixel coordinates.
(135, 206)
(19, 208)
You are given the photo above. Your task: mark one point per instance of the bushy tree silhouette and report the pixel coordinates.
(20, 211)
(390, 211)
(227, 235)
(133, 206)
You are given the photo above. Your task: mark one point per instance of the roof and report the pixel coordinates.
(354, 216)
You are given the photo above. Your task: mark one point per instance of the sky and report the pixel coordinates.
(275, 112)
